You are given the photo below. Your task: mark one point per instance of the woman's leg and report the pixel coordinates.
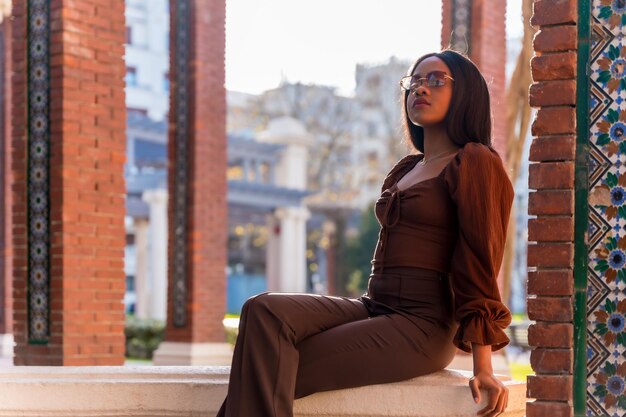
(265, 360)
(382, 349)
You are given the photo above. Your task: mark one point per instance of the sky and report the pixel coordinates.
(321, 41)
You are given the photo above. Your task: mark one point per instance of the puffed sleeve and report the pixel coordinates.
(483, 194)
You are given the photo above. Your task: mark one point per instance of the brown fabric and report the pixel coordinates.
(292, 345)
(433, 287)
(453, 223)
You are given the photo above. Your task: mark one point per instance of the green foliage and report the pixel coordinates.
(231, 334)
(142, 337)
(359, 252)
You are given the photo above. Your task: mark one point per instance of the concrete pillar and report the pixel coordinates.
(197, 213)
(286, 254)
(142, 283)
(157, 253)
(286, 250)
(68, 141)
(272, 253)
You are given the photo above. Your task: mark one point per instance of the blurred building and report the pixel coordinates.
(267, 216)
(147, 57)
(377, 131)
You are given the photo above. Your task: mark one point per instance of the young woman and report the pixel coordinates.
(443, 213)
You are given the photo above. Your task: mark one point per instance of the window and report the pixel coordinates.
(148, 153)
(131, 76)
(129, 35)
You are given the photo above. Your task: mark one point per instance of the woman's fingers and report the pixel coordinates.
(475, 388)
(495, 392)
(498, 394)
(506, 399)
(500, 405)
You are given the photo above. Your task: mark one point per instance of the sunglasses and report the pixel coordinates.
(432, 79)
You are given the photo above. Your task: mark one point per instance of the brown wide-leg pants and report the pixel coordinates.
(292, 345)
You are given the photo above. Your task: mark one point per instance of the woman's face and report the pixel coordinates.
(428, 106)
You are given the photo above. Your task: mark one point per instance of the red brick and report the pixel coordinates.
(553, 148)
(549, 408)
(556, 39)
(207, 214)
(551, 335)
(553, 93)
(557, 255)
(554, 12)
(551, 229)
(554, 120)
(550, 387)
(552, 361)
(553, 309)
(551, 282)
(77, 60)
(557, 66)
(551, 175)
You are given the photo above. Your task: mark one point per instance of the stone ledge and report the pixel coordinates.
(198, 391)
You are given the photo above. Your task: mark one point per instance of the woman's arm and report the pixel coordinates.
(484, 378)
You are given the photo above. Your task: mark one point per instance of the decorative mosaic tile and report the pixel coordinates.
(38, 175)
(611, 15)
(606, 278)
(181, 177)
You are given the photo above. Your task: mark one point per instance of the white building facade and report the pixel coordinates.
(147, 57)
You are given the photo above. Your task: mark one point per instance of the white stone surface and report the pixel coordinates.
(181, 354)
(6, 345)
(199, 391)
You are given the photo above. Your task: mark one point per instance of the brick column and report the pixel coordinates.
(197, 187)
(6, 253)
(478, 27)
(551, 206)
(68, 144)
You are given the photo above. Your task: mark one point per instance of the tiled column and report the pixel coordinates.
(600, 364)
(68, 134)
(198, 216)
(476, 27)
(6, 179)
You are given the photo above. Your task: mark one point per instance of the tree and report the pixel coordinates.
(324, 114)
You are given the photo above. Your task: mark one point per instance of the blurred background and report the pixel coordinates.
(313, 127)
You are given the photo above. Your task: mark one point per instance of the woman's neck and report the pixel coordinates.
(437, 141)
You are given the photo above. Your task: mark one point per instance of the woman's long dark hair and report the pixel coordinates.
(469, 116)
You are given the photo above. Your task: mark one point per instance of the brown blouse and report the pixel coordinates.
(453, 223)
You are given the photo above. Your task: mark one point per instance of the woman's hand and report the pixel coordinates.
(498, 393)
(484, 378)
